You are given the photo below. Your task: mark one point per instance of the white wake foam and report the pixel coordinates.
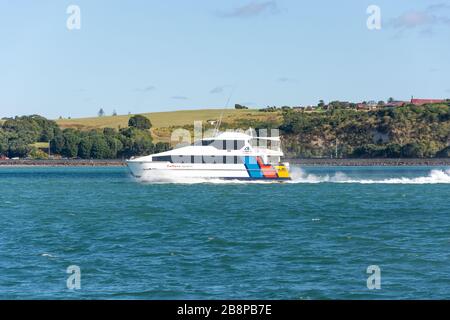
(300, 176)
(181, 180)
(434, 177)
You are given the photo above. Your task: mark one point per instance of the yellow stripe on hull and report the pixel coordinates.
(282, 171)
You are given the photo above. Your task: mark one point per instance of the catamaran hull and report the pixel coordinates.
(152, 171)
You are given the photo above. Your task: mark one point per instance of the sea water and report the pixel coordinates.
(312, 238)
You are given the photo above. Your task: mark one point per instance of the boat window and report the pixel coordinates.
(239, 144)
(207, 142)
(198, 159)
(212, 159)
(224, 144)
(162, 159)
(233, 144)
(231, 160)
(182, 159)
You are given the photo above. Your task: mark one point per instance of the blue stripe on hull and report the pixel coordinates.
(257, 179)
(253, 169)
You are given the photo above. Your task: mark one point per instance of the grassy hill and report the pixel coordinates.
(163, 121)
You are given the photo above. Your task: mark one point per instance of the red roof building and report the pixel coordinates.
(396, 103)
(420, 102)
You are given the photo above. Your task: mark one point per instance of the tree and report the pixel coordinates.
(99, 148)
(390, 100)
(393, 150)
(85, 147)
(32, 128)
(114, 113)
(114, 146)
(71, 141)
(240, 107)
(135, 142)
(321, 103)
(444, 153)
(101, 112)
(18, 148)
(57, 144)
(139, 122)
(412, 150)
(161, 147)
(3, 143)
(38, 154)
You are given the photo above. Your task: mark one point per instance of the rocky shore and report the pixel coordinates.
(63, 163)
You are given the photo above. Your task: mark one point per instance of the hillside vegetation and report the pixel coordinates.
(29, 136)
(402, 132)
(409, 132)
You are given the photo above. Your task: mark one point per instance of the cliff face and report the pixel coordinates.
(409, 132)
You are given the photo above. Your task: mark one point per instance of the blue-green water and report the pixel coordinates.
(312, 239)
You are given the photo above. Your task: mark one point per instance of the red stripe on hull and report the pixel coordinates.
(267, 170)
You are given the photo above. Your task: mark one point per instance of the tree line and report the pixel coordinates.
(402, 132)
(19, 135)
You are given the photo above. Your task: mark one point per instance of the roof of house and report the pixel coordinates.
(396, 103)
(425, 101)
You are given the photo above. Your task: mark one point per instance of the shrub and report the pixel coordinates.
(139, 122)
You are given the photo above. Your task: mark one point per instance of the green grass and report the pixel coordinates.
(164, 122)
(40, 145)
(162, 119)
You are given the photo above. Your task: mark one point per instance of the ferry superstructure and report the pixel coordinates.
(228, 155)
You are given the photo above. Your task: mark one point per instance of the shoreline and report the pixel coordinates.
(370, 162)
(302, 162)
(62, 163)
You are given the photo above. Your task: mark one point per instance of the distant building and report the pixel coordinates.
(421, 102)
(396, 103)
(366, 106)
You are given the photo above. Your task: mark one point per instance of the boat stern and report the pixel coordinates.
(283, 171)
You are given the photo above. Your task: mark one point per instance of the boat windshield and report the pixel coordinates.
(221, 144)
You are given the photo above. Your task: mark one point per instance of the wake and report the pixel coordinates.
(299, 176)
(201, 181)
(434, 177)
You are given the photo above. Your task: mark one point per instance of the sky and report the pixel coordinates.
(163, 55)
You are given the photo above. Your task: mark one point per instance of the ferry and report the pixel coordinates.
(228, 155)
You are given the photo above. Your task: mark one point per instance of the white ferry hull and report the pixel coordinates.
(226, 156)
(154, 171)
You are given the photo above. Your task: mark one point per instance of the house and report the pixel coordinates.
(366, 106)
(396, 103)
(421, 102)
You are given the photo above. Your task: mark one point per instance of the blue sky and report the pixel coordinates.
(143, 56)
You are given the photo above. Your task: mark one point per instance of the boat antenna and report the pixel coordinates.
(216, 129)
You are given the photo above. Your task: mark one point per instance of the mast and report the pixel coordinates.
(216, 129)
